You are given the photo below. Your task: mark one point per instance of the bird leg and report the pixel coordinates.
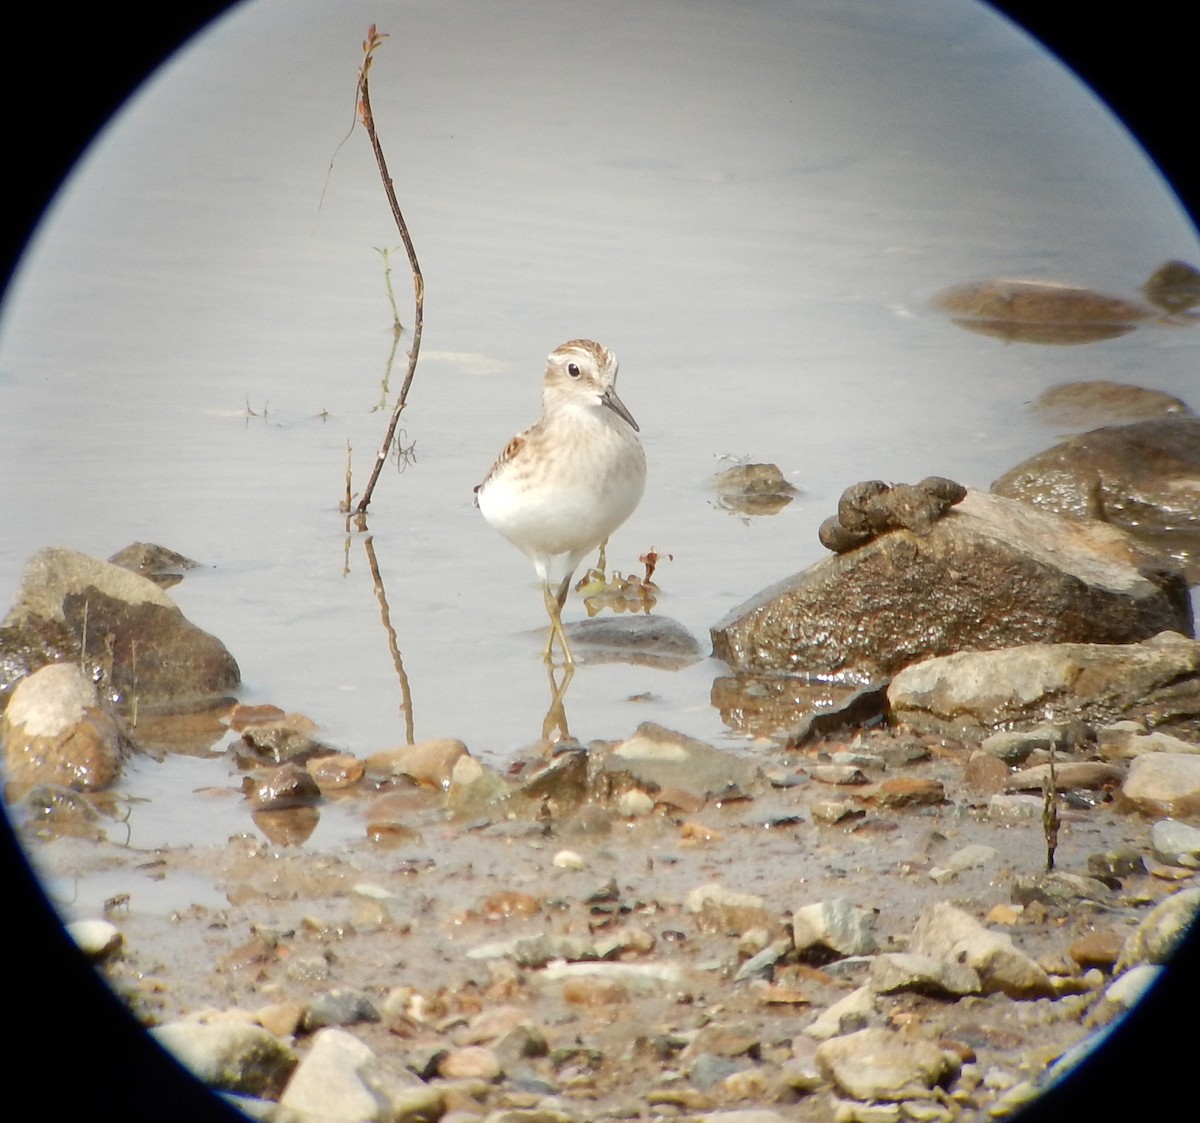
(556, 716)
(554, 603)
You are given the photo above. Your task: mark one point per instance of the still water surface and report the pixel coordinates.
(750, 203)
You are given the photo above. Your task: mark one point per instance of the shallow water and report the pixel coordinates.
(750, 204)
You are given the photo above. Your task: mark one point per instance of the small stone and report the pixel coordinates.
(341, 1007)
(55, 731)
(97, 939)
(1097, 949)
(837, 925)
(333, 773)
(1176, 843)
(471, 1063)
(231, 1056)
(569, 860)
(634, 804)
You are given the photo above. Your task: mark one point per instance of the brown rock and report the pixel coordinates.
(1143, 477)
(990, 573)
(55, 731)
(1098, 402)
(135, 636)
(1097, 949)
(429, 762)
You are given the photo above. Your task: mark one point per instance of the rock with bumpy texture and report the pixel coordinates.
(1156, 681)
(56, 731)
(989, 573)
(118, 625)
(947, 933)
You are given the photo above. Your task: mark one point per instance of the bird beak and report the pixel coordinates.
(609, 398)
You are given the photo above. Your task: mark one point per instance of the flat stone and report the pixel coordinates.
(878, 1064)
(974, 691)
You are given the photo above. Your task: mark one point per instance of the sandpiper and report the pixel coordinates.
(560, 488)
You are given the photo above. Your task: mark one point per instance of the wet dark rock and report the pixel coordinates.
(754, 489)
(56, 731)
(287, 786)
(558, 786)
(1122, 861)
(1100, 402)
(162, 566)
(871, 508)
(1175, 288)
(644, 640)
(805, 706)
(971, 692)
(1027, 311)
(1143, 477)
(138, 644)
(991, 573)
(283, 743)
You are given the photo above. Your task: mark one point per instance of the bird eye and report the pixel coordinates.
(573, 370)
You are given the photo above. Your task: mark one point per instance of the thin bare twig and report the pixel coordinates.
(373, 40)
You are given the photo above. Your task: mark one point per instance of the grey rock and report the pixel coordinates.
(879, 1065)
(837, 925)
(341, 1007)
(637, 638)
(1155, 939)
(342, 1081)
(892, 972)
(846, 1015)
(230, 1056)
(1175, 842)
(657, 758)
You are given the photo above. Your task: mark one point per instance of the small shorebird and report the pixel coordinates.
(560, 488)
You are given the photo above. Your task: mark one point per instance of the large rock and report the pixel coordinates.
(1157, 682)
(953, 936)
(1144, 477)
(990, 573)
(56, 731)
(120, 626)
(230, 1056)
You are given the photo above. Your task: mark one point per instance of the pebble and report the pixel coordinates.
(97, 939)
